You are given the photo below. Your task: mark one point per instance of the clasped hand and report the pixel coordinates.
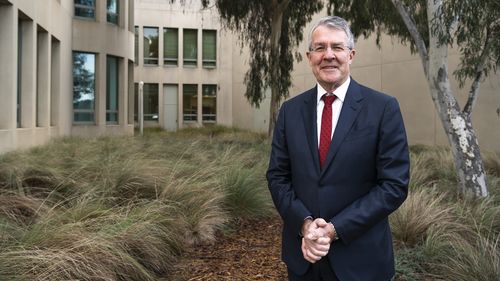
(316, 239)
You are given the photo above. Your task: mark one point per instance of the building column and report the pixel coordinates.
(8, 71)
(100, 91)
(122, 91)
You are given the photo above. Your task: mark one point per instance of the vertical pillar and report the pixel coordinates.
(100, 91)
(130, 94)
(8, 69)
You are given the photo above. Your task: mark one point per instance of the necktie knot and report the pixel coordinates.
(328, 99)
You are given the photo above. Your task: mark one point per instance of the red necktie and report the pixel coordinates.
(325, 137)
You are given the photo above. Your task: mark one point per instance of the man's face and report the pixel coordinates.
(330, 58)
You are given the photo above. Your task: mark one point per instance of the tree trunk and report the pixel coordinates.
(278, 9)
(457, 125)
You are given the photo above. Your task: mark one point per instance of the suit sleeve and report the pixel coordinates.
(290, 208)
(391, 187)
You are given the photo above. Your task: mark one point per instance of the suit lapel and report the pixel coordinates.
(309, 118)
(348, 114)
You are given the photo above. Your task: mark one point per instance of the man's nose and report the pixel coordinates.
(329, 54)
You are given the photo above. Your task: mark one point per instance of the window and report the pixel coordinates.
(209, 48)
(83, 87)
(151, 45)
(150, 95)
(111, 90)
(170, 46)
(85, 8)
(209, 103)
(190, 47)
(112, 11)
(190, 102)
(136, 45)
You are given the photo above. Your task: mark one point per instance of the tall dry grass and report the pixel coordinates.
(441, 234)
(123, 208)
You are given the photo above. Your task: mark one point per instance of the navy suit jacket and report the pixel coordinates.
(364, 179)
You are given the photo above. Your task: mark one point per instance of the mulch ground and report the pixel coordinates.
(252, 252)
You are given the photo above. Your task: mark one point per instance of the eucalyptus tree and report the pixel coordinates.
(431, 27)
(272, 30)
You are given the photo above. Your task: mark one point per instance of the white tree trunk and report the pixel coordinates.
(278, 9)
(457, 125)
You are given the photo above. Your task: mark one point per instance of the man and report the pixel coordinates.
(339, 166)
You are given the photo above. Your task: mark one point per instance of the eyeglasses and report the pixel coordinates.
(336, 49)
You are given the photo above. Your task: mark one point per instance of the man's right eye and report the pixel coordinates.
(319, 49)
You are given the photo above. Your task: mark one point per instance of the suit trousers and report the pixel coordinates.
(319, 271)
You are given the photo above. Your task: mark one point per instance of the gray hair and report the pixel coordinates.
(334, 22)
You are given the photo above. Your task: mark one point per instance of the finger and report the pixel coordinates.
(321, 250)
(312, 256)
(320, 222)
(324, 240)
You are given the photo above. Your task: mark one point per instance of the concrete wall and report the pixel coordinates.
(44, 34)
(44, 70)
(103, 38)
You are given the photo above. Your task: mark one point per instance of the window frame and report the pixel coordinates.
(116, 111)
(208, 117)
(192, 116)
(91, 111)
(113, 14)
(83, 7)
(189, 62)
(170, 61)
(147, 59)
(209, 63)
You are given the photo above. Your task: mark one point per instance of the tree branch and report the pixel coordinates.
(417, 37)
(474, 89)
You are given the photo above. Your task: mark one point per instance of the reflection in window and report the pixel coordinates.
(85, 8)
(170, 46)
(112, 11)
(190, 47)
(209, 48)
(151, 45)
(190, 102)
(83, 87)
(150, 95)
(209, 103)
(111, 90)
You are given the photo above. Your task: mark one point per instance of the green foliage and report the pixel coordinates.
(270, 66)
(476, 31)
(368, 16)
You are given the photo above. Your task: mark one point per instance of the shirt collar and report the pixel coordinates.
(340, 92)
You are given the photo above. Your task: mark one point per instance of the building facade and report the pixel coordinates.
(181, 56)
(176, 76)
(75, 67)
(65, 69)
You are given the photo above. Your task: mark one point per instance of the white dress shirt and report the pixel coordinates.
(336, 106)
